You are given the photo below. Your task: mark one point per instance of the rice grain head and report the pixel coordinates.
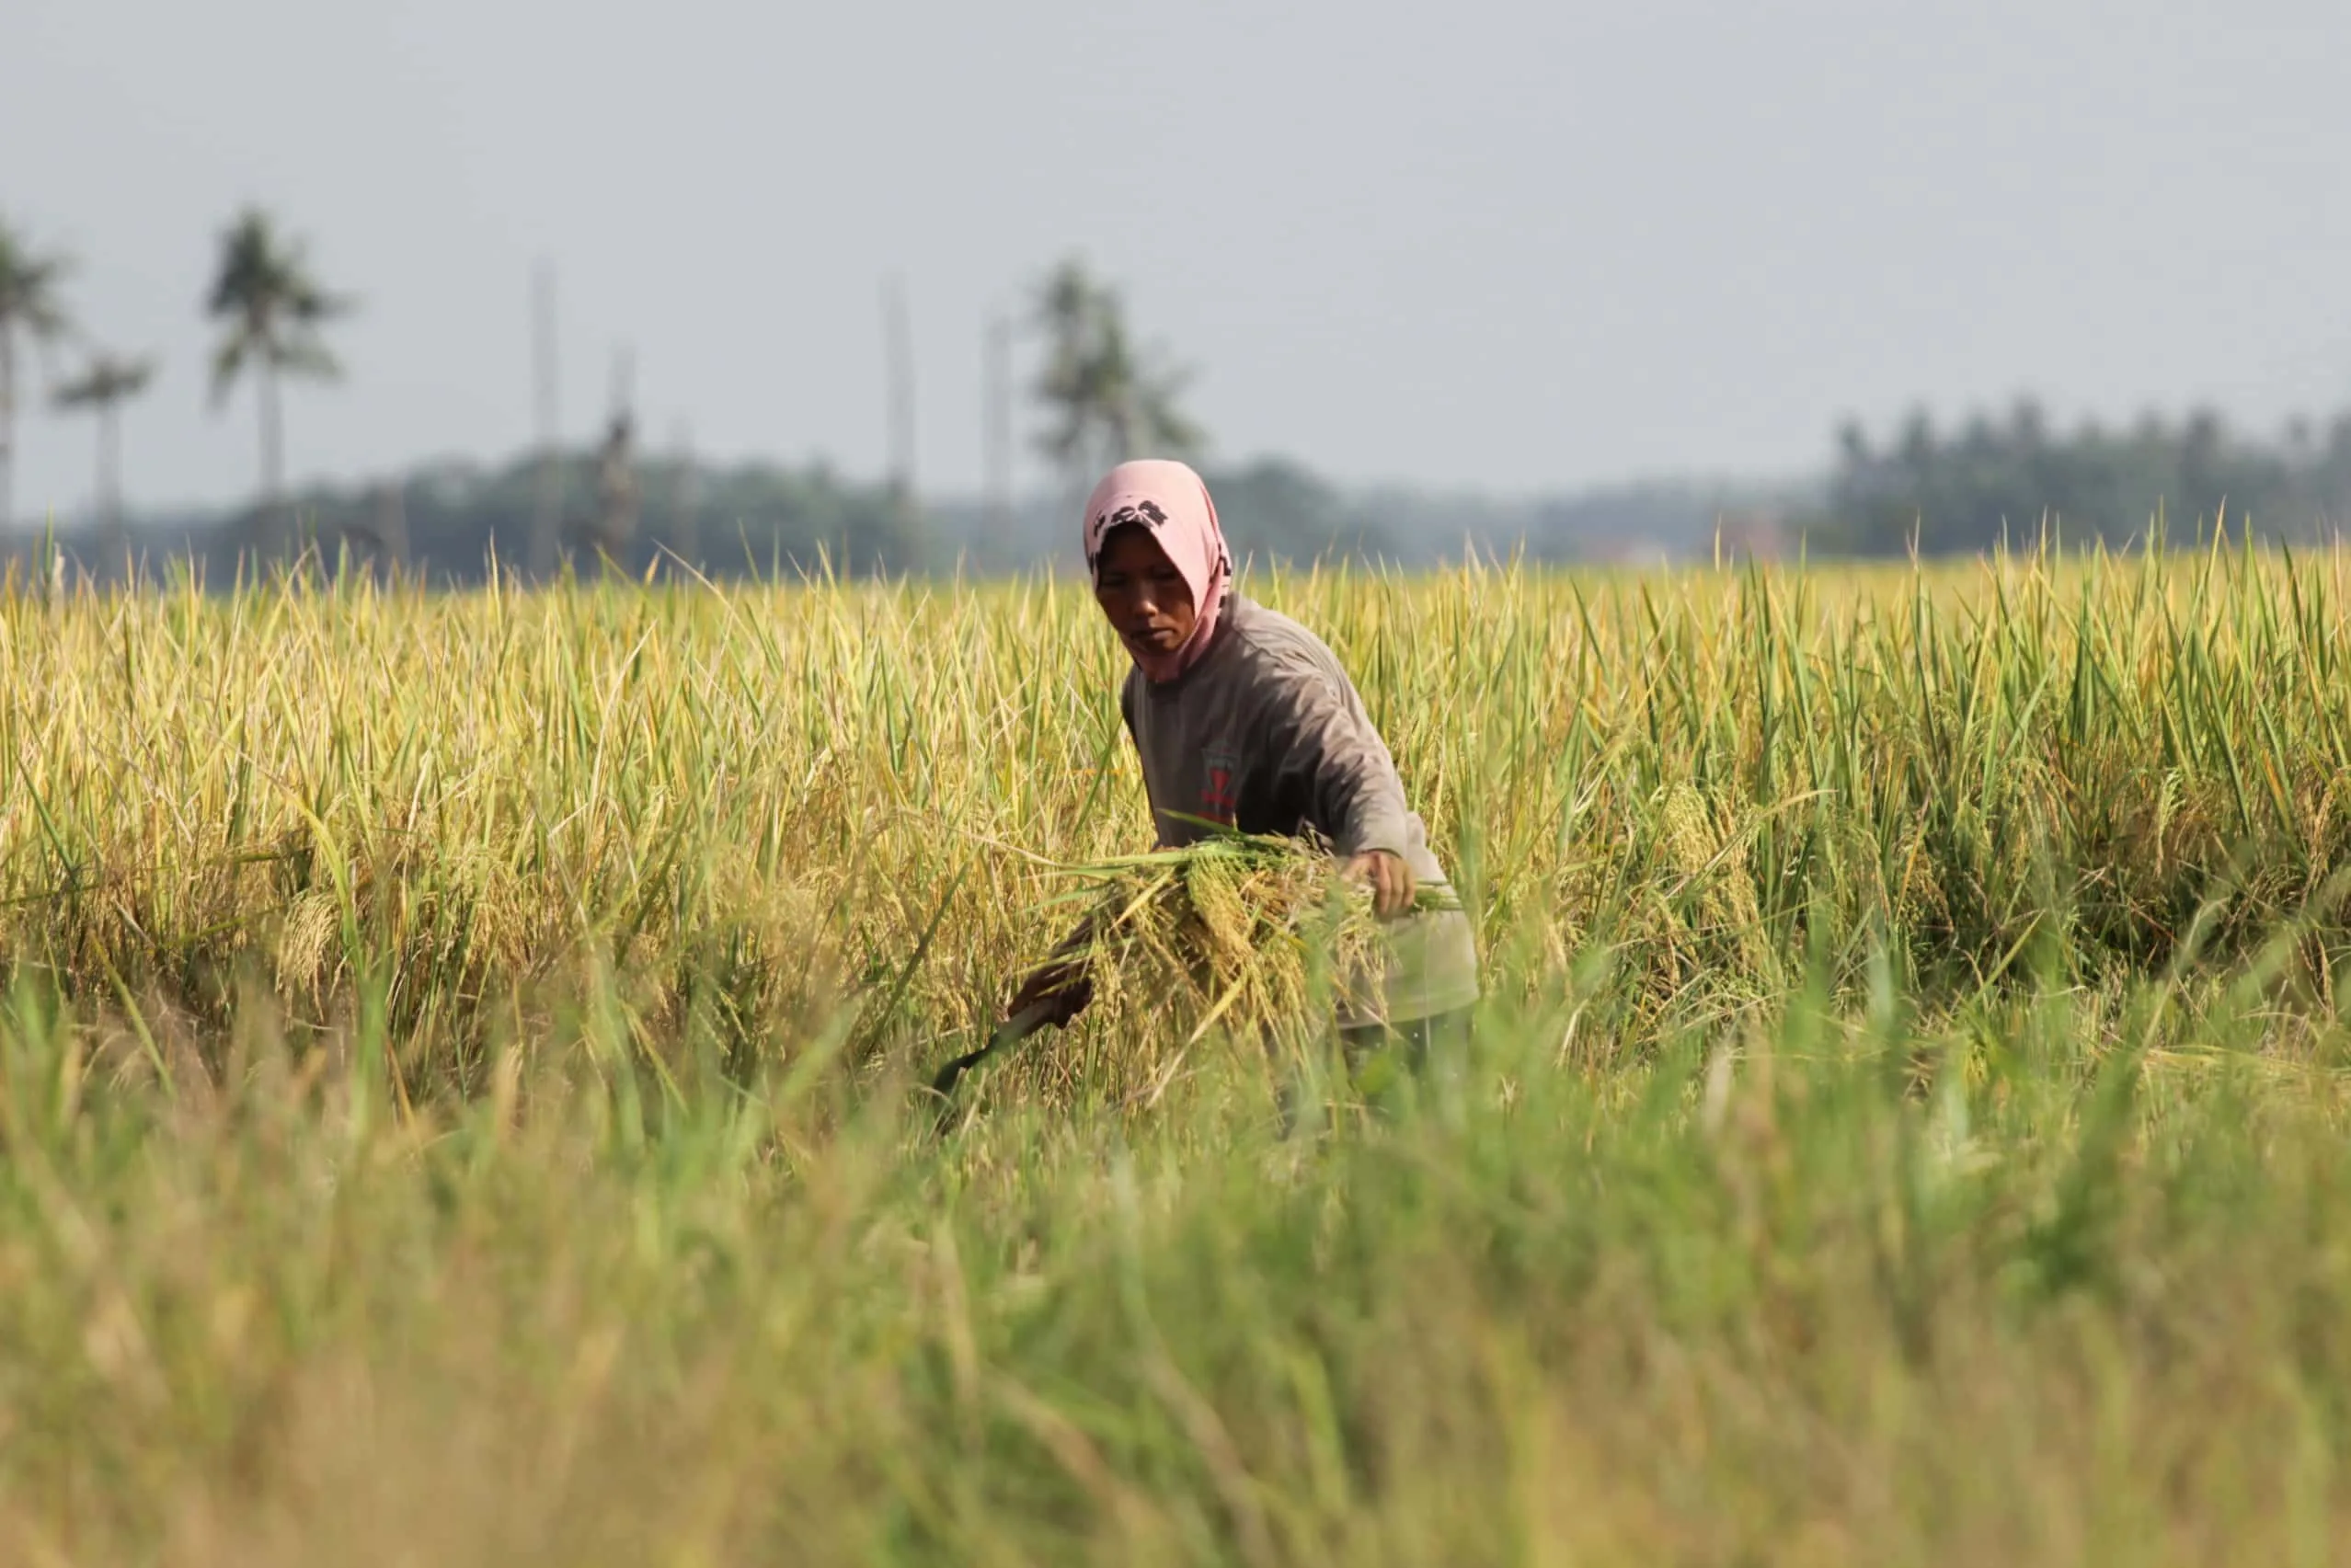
(304, 940)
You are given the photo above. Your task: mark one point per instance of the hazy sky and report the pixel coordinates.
(1516, 243)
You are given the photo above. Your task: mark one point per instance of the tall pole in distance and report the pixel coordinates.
(898, 348)
(548, 522)
(110, 481)
(995, 433)
(685, 501)
(623, 382)
(391, 528)
(616, 475)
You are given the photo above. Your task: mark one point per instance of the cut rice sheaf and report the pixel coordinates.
(1248, 933)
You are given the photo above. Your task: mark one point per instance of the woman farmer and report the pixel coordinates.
(1243, 718)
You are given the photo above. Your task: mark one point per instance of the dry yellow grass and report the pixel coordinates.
(759, 806)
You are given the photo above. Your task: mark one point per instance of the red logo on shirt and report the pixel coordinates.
(1221, 801)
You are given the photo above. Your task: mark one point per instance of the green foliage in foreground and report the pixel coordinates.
(2057, 1280)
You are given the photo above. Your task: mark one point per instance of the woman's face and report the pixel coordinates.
(1148, 603)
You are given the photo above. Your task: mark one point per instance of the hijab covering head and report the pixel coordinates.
(1171, 503)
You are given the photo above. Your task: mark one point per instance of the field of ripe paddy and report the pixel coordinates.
(459, 1064)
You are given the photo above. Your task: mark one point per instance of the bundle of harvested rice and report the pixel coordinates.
(1255, 934)
(1252, 933)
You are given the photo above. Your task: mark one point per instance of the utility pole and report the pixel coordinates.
(898, 349)
(624, 382)
(392, 527)
(995, 432)
(548, 523)
(109, 491)
(616, 474)
(685, 501)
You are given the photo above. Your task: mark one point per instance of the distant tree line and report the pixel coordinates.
(1102, 395)
(1964, 489)
(449, 522)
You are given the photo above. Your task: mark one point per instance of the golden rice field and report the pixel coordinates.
(456, 1084)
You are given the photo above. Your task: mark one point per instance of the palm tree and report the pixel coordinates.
(30, 309)
(106, 384)
(272, 309)
(1109, 403)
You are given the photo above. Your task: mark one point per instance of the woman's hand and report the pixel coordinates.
(1062, 983)
(1390, 879)
(1063, 989)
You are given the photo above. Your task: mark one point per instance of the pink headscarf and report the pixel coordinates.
(1172, 502)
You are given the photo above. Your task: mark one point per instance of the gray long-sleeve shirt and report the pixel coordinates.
(1266, 733)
